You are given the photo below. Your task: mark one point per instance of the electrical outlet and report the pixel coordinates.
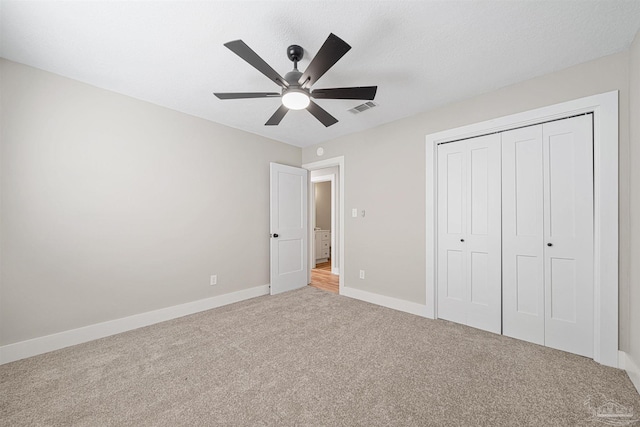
(362, 274)
(214, 280)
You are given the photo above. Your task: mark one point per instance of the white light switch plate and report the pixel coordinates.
(354, 212)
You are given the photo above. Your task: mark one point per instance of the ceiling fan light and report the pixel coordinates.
(295, 99)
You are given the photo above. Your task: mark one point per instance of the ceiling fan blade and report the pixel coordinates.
(245, 52)
(363, 92)
(277, 116)
(330, 52)
(321, 114)
(243, 95)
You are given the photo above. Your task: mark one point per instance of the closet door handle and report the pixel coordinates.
(549, 244)
(462, 240)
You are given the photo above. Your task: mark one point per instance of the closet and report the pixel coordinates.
(515, 233)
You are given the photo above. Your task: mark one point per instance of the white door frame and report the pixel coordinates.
(322, 164)
(324, 178)
(605, 159)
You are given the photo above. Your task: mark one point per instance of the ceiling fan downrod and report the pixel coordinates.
(295, 54)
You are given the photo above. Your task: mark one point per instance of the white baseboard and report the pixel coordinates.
(335, 271)
(633, 370)
(35, 346)
(389, 302)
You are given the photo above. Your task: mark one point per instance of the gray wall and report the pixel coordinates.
(323, 205)
(112, 206)
(394, 225)
(634, 294)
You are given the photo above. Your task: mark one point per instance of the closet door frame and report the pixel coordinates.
(605, 157)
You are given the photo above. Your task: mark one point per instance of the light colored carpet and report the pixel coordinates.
(309, 357)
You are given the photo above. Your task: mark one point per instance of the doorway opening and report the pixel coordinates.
(326, 219)
(323, 223)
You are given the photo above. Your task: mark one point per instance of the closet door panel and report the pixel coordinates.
(451, 282)
(469, 272)
(479, 190)
(479, 275)
(483, 254)
(523, 234)
(454, 276)
(528, 284)
(568, 217)
(562, 277)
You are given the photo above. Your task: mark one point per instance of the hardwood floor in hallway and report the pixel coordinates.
(322, 278)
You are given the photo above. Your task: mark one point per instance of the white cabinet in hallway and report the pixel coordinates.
(322, 245)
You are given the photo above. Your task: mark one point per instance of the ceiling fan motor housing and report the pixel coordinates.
(292, 77)
(295, 53)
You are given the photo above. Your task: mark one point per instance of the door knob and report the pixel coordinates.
(549, 244)
(275, 235)
(462, 240)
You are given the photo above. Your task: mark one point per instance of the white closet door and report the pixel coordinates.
(452, 295)
(547, 234)
(483, 241)
(469, 260)
(568, 226)
(523, 235)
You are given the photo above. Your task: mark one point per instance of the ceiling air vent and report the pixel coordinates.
(363, 107)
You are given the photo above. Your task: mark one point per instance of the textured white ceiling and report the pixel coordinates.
(421, 54)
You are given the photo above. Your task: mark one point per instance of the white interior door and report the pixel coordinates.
(469, 259)
(523, 235)
(288, 210)
(568, 226)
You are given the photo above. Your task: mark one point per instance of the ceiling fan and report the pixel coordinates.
(296, 90)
